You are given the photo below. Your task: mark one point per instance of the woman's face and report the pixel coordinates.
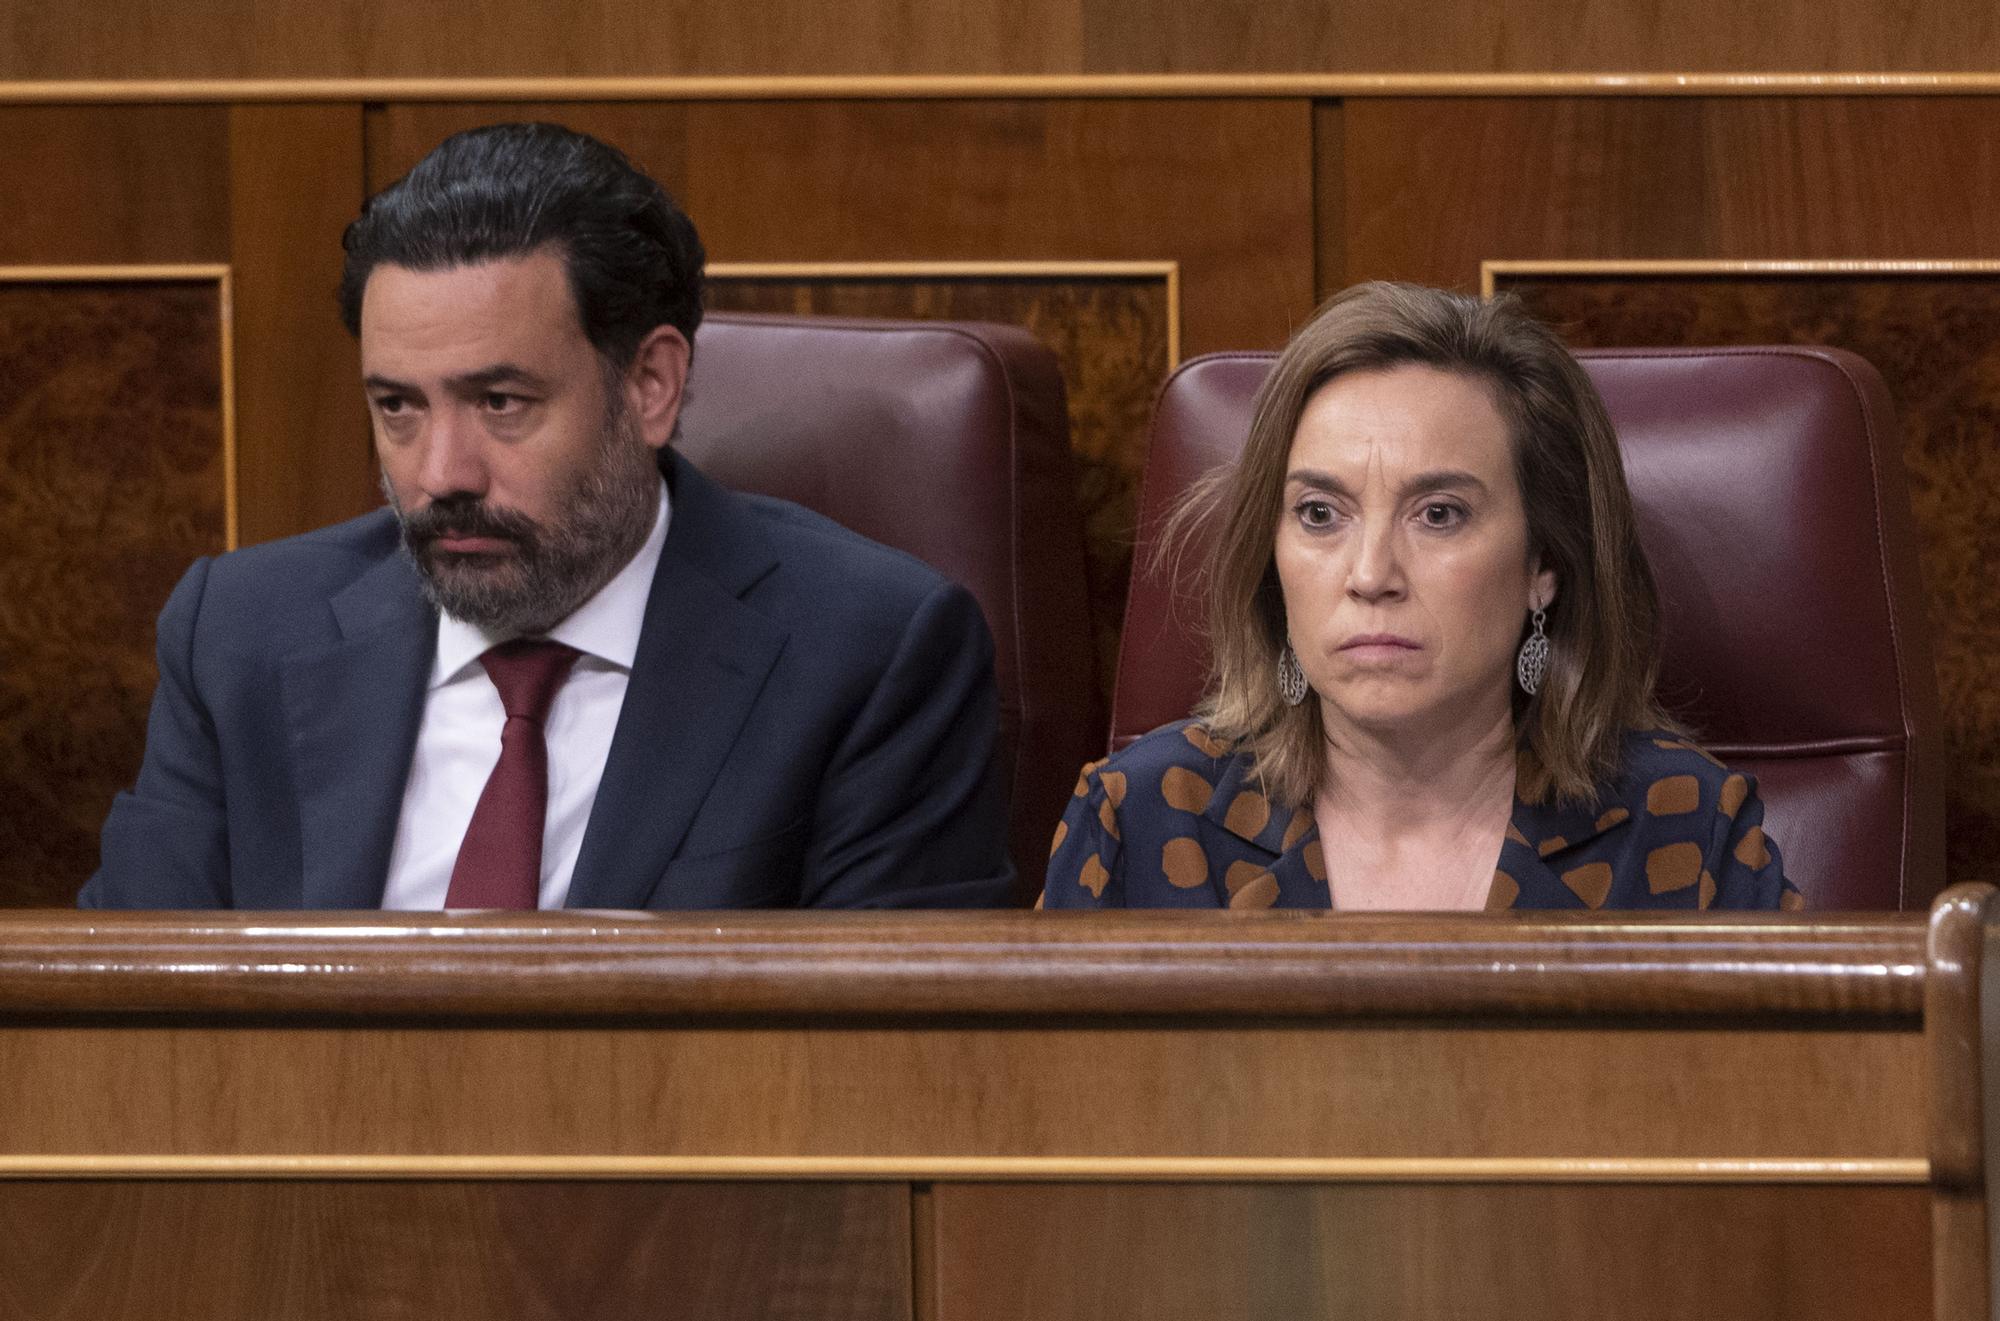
(1402, 548)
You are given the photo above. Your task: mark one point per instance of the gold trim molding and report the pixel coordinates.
(1168, 272)
(1095, 1169)
(989, 86)
(226, 333)
(1490, 272)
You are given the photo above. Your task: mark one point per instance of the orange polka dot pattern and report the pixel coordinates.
(1180, 819)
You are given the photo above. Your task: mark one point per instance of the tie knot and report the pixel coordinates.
(527, 671)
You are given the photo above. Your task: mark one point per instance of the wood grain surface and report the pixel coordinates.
(1455, 1117)
(1154, 964)
(305, 457)
(1419, 1253)
(799, 1035)
(111, 481)
(111, 185)
(1955, 1026)
(360, 1251)
(1433, 1091)
(236, 38)
(973, 181)
(1435, 186)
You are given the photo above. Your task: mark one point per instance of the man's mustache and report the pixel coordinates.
(466, 516)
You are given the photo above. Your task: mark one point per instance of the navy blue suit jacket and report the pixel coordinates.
(811, 720)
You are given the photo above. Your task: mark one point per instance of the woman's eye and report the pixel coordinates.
(1315, 513)
(1441, 514)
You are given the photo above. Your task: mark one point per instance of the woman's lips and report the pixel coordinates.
(1379, 648)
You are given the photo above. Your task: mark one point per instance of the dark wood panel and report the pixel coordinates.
(304, 455)
(653, 134)
(1925, 334)
(113, 184)
(111, 481)
(238, 38)
(1417, 1252)
(1329, 198)
(375, 1251)
(1560, 35)
(1434, 187)
(376, 38)
(1110, 334)
(1222, 187)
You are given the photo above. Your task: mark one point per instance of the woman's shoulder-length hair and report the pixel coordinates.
(1602, 626)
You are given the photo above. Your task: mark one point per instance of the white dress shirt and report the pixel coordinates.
(458, 740)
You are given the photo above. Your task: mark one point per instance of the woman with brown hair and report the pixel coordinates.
(1434, 652)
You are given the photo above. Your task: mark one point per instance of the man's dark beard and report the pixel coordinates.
(553, 568)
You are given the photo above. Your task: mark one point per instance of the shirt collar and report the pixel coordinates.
(606, 626)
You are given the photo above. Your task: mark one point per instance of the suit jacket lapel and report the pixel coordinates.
(353, 709)
(703, 659)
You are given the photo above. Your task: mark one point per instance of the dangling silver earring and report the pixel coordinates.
(1533, 662)
(1291, 678)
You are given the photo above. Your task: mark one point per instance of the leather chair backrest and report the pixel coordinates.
(947, 440)
(1772, 505)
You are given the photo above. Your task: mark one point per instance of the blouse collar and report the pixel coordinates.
(1539, 836)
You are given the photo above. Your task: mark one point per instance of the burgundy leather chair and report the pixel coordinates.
(948, 440)
(1771, 500)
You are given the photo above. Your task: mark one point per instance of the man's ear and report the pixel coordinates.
(656, 382)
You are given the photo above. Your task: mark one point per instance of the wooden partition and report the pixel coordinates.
(971, 1117)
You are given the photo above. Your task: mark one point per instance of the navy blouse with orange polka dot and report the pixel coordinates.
(1177, 820)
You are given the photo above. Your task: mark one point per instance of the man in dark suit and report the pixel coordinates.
(563, 668)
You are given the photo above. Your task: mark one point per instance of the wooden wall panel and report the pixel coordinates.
(111, 481)
(1434, 187)
(1726, 1093)
(311, 1251)
(1427, 1253)
(1109, 332)
(377, 38)
(1329, 198)
(1222, 187)
(295, 181)
(113, 184)
(1553, 36)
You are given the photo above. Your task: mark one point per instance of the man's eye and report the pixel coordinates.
(390, 405)
(496, 402)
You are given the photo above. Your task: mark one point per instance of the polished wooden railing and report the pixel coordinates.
(984, 1115)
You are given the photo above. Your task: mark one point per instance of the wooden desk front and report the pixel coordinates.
(960, 1117)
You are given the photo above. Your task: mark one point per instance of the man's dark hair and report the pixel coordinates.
(634, 259)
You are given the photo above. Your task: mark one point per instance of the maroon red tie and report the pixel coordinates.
(500, 863)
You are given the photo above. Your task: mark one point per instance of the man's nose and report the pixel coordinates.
(454, 461)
